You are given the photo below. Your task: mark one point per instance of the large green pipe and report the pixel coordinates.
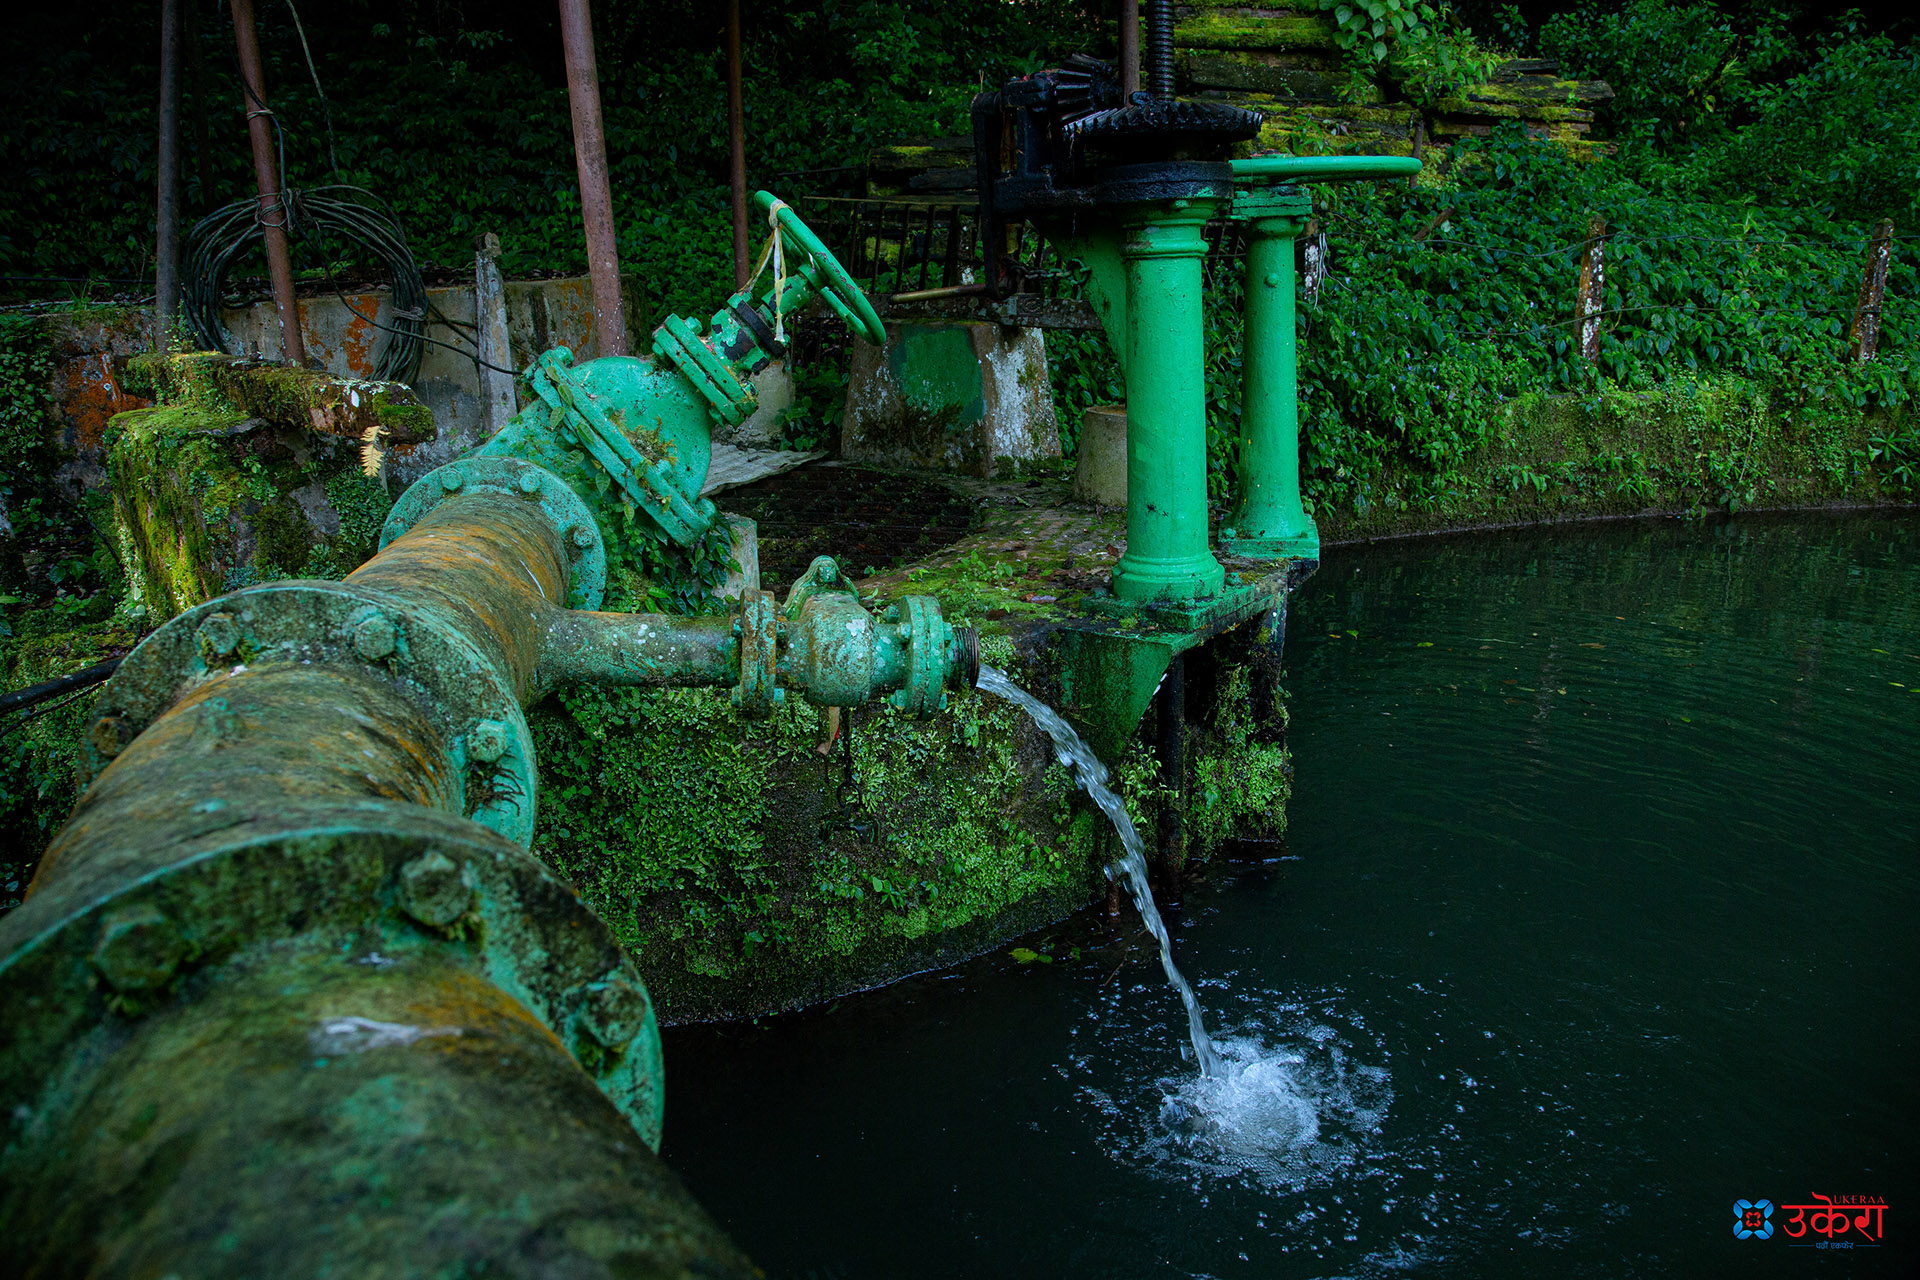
(289, 996)
(1167, 556)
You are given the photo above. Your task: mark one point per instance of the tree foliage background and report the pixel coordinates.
(457, 115)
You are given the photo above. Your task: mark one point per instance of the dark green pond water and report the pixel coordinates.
(1598, 914)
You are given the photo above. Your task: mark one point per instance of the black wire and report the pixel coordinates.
(352, 214)
(326, 112)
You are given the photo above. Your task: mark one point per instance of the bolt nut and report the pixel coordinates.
(488, 741)
(1273, 279)
(433, 891)
(615, 1011)
(108, 736)
(530, 482)
(219, 635)
(829, 572)
(582, 536)
(139, 949)
(451, 480)
(374, 637)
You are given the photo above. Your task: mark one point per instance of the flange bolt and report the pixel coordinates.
(488, 741)
(433, 891)
(451, 480)
(139, 949)
(614, 1011)
(530, 483)
(219, 635)
(375, 637)
(582, 536)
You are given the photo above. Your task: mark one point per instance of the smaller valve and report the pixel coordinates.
(823, 643)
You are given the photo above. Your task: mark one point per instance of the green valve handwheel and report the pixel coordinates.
(821, 270)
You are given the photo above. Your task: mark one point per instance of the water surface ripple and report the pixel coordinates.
(1597, 914)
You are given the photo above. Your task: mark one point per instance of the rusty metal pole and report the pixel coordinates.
(166, 205)
(1863, 338)
(1593, 287)
(596, 195)
(737, 146)
(1129, 48)
(267, 175)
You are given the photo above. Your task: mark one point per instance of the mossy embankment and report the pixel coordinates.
(1691, 447)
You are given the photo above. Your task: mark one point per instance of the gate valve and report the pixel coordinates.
(839, 655)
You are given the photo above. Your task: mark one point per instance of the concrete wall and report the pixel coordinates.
(346, 336)
(951, 396)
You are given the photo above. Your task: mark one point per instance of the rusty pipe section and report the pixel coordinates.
(290, 950)
(292, 928)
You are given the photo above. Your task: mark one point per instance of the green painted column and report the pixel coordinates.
(1269, 521)
(1167, 557)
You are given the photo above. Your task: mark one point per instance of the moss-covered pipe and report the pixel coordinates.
(581, 647)
(285, 998)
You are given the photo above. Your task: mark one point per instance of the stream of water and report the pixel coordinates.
(1131, 867)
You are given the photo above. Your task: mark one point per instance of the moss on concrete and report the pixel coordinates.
(747, 878)
(1720, 444)
(207, 500)
(284, 395)
(1249, 28)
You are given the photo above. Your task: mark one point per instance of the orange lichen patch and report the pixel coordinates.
(88, 391)
(358, 338)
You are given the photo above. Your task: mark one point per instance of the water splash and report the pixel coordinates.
(1131, 867)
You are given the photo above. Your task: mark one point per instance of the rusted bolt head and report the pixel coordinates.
(529, 482)
(488, 741)
(433, 891)
(108, 735)
(582, 536)
(139, 949)
(614, 1011)
(219, 635)
(451, 480)
(374, 637)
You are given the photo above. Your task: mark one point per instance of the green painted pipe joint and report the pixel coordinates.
(838, 655)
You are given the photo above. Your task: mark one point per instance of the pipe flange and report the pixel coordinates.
(458, 690)
(377, 873)
(930, 656)
(759, 624)
(728, 398)
(564, 509)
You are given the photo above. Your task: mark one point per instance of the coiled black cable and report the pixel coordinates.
(329, 218)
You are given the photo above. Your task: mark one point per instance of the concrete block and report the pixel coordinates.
(951, 396)
(1100, 474)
